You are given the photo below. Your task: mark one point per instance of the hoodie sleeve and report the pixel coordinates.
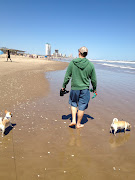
(67, 75)
(93, 79)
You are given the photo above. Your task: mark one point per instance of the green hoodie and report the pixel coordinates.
(81, 70)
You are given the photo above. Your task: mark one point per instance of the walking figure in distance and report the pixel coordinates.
(8, 56)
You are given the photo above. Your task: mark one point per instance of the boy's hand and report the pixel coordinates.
(63, 89)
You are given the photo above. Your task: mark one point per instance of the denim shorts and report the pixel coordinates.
(79, 98)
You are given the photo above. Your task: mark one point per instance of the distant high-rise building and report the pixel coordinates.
(70, 55)
(56, 54)
(56, 51)
(47, 49)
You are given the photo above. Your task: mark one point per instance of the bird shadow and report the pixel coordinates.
(83, 121)
(8, 129)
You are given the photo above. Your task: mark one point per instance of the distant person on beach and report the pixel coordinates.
(81, 70)
(8, 56)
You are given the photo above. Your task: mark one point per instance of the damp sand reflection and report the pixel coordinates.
(119, 140)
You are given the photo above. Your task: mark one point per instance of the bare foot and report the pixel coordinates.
(72, 124)
(79, 126)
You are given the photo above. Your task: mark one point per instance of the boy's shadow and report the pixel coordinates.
(83, 121)
(8, 129)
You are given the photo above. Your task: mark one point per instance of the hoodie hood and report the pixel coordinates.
(81, 63)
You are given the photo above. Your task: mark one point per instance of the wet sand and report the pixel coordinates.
(42, 146)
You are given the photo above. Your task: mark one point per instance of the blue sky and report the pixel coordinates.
(105, 27)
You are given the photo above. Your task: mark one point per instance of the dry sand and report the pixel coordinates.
(24, 79)
(42, 146)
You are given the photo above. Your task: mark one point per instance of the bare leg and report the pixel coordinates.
(80, 116)
(73, 111)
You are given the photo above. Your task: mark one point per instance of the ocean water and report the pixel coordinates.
(121, 66)
(113, 65)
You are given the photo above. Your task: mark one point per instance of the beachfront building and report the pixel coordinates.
(41, 56)
(71, 56)
(57, 54)
(12, 51)
(35, 55)
(64, 55)
(47, 49)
